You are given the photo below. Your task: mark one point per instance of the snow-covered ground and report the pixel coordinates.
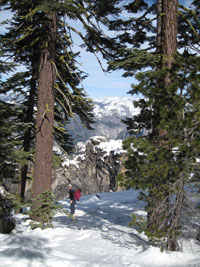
(98, 237)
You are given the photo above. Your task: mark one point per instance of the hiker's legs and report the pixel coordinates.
(72, 207)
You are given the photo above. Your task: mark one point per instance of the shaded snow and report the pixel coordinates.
(99, 237)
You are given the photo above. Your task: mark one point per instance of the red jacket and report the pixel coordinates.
(78, 194)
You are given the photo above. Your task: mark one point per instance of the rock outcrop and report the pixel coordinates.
(93, 168)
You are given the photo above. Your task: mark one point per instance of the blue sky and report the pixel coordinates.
(99, 84)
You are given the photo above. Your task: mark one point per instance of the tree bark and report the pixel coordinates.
(42, 178)
(169, 31)
(159, 26)
(169, 23)
(167, 10)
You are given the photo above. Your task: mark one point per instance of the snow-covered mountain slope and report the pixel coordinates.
(114, 106)
(98, 237)
(108, 114)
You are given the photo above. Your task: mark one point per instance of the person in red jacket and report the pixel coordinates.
(72, 199)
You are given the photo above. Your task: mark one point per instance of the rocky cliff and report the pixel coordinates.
(93, 168)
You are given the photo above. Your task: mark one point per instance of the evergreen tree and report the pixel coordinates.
(7, 141)
(160, 162)
(70, 97)
(42, 178)
(24, 43)
(8, 125)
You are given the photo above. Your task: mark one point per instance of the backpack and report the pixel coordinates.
(77, 194)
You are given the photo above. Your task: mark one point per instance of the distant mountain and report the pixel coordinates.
(11, 98)
(108, 114)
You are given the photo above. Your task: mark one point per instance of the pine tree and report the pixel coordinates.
(42, 179)
(22, 84)
(7, 141)
(70, 97)
(24, 45)
(8, 124)
(159, 162)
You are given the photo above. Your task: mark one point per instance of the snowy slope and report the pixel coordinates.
(99, 237)
(114, 106)
(108, 114)
(98, 143)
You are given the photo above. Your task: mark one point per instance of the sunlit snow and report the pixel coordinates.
(98, 237)
(110, 106)
(102, 143)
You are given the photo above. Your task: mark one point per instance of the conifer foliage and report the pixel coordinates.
(160, 161)
(45, 210)
(40, 39)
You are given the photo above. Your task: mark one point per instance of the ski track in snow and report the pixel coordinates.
(98, 237)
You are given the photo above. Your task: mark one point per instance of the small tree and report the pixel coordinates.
(45, 210)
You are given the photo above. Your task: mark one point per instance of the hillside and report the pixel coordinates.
(93, 167)
(108, 113)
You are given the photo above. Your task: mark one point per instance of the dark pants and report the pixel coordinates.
(72, 207)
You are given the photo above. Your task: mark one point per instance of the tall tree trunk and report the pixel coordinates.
(42, 178)
(159, 26)
(169, 31)
(169, 22)
(28, 133)
(167, 37)
(167, 10)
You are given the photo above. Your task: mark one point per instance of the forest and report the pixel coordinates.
(155, 42)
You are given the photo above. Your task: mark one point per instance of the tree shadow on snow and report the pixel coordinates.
(111, 220)
(27, 248)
